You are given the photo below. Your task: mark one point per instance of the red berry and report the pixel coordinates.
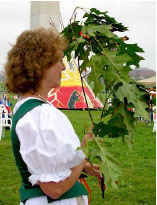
(80, 33)
(86, 36)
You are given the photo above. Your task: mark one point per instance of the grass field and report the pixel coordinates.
(136, 186)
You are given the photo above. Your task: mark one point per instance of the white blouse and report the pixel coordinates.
(48, 145)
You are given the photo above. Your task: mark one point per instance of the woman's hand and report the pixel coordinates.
(92, 170)
(88, 136)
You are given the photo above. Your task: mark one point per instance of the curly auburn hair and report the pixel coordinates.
(34, 52)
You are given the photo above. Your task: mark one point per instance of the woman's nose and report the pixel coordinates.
(63, 66)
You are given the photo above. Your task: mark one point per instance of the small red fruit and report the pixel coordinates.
(81, 33)
(86, 36)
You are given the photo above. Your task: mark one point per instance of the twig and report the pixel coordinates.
(84, 92)
(107, 97)
(74, 13)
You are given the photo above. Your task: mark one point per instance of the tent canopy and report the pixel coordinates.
(70, 94)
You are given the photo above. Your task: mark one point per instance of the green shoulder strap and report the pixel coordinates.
(27, 191)
(23, 109)
(26, 107)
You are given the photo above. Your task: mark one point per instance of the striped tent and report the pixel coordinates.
(70, 94)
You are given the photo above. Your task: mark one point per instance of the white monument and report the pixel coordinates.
(44, 12)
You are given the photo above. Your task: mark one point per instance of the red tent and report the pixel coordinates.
(70, 94)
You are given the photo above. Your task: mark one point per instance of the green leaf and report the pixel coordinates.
(97, 152)
(104, 30)
(134, 48)
(114, 59)
(99, 17)
(110, 60)
(106, 118)
(134, 96)
(128, 118)
(96, 63)
(96, 11)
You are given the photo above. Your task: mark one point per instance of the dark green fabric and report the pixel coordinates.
(28, 191)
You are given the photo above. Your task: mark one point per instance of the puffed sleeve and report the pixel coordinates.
(48, 144)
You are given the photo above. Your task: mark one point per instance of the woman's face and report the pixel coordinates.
(52, 76)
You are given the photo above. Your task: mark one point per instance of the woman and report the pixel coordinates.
(43, 140)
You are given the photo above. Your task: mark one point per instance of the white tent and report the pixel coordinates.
(148, 81)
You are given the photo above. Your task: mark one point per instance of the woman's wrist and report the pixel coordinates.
(84, 163)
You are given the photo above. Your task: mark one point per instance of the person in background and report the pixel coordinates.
(1, 100)
(8, 107)
(154, 118)
(44, 143)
